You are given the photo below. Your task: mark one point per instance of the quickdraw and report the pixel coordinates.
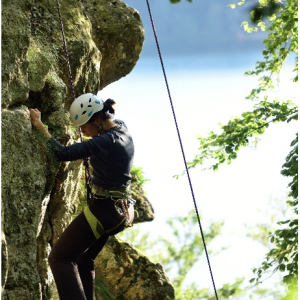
(122, 209)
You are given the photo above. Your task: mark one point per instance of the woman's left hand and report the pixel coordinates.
(35, 116)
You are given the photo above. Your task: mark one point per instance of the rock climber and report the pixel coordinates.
(110, 208)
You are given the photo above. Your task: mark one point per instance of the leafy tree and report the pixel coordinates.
(280, 19)
(180, 252)
(284, 256)
(260, 232)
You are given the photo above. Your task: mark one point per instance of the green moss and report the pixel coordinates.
(101, 290)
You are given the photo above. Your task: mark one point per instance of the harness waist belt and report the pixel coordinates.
(110, 192)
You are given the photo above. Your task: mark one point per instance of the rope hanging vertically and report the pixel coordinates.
(85, 160)
(181, 146)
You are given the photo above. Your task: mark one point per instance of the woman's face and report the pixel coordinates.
(89, 129)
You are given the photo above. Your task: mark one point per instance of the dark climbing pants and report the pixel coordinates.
(72, 257)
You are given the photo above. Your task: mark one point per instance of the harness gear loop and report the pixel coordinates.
(122, 209)
(181, 146)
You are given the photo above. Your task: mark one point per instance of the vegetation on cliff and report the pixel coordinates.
(280, 20)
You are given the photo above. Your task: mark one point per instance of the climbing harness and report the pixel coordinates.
(181, 146)
(97, 227)
(123, 203)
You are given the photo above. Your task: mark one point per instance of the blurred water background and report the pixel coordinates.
(206, 54)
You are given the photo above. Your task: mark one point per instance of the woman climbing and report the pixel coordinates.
(110, 208)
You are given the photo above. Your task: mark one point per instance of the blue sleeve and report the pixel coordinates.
(94, 146)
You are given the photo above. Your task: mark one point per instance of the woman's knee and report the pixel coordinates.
(85, 262)
(56, 257)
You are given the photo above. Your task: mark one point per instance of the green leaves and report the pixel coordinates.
(223, 147)
(290, 169)
(180, 252)
(138, 176)
(284, 257)
(248, 28)
(280, 20)
(231, 6)
(264, 2)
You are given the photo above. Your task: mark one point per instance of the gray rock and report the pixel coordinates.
(144, 211)
(24, 188)
(129, 274)
(123, 25)
(4, 261)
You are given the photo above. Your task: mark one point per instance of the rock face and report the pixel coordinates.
(39, 195)
(104, 39)
(130, 275)
(143, 210)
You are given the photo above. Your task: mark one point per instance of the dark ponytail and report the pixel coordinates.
(106, 113)
(109, 106)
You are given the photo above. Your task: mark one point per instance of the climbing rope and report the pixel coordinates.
(85, 160)
(181, 146)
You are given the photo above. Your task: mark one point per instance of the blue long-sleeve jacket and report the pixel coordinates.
(111, 155)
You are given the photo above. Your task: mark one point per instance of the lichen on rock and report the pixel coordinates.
(129, 274)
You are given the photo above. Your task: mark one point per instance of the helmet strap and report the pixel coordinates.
(100, 127)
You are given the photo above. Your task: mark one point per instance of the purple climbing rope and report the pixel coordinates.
(181, 146)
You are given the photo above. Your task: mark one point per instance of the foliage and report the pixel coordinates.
(281, 42)
(284, 257)
(290, 169)
(185, 252)
(101, 291)
(224, 147)
(180, 252)
(280, 19)
(260, 231)
(137, 174)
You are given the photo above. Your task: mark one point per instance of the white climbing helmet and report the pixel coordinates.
(84, 107)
